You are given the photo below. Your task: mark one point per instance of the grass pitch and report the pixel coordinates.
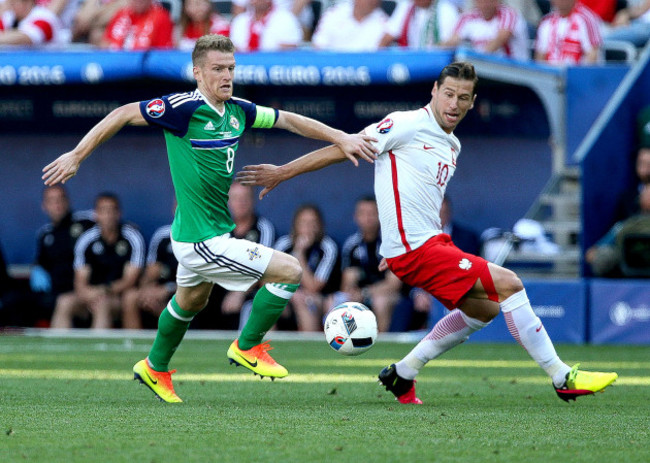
(73, 400)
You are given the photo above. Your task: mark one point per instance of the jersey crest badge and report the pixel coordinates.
(156, 108)
(465, 264)
(253, 253)
(234, 123)
(385, 125)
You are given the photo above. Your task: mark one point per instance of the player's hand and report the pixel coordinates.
(358, 145)
(383, 265)
(61, 169)
(266, 175)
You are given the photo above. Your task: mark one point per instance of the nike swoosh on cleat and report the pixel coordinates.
(154, 381)
(428, 147)
(251, 364)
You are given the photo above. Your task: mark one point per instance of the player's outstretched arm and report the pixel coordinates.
(352, 145)
(65, 166)
(269, 176)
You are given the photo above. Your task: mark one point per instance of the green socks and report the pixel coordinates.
(172, 325)
(269, 302)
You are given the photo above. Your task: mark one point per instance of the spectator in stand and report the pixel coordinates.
(361, 280)
(23, 22)
(108, 261)
(318, 257)
(92, 18)
(605, 9)
(420, 23)
(197, 19)
(628, 203)
(252, 227)
(569, 35)
(265, 28)
(157, 286)
(301, 9)
(66, 10)
(141, 25)
(494, 28)
(632, 24)
(351, 26)
(53, 273)
(606, 256)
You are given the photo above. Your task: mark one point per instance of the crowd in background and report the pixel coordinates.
(93, 269)
(552, 31)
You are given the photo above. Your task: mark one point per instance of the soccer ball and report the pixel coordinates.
(350, 328)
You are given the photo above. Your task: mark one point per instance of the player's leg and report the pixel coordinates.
(67, 306)
(131, 310)
(102, 309)
(173, 323)
(280, 281)
(530, 333)
(307, 308)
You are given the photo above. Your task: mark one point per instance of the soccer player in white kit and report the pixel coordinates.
(418, 156)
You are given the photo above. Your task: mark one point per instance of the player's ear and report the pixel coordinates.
(473, 101)
(196, 72)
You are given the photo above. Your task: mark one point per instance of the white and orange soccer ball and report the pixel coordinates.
(350, 328)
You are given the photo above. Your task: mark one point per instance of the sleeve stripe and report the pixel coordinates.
(159, 235)
(136, 241)
(330, 252)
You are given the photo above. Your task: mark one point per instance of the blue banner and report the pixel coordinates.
(560, 305)
(620, 311)
(291, 68)
(38, 68)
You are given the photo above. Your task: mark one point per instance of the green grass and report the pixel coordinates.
(73, 400)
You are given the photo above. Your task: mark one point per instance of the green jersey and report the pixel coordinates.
(201, 146)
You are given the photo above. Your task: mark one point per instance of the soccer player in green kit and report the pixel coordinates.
(202, 130)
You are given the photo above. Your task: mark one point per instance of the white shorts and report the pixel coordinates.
(233, 264)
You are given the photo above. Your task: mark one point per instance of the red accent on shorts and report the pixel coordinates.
(398, 206)
(440, 268)
(488, 285)
(46, 27)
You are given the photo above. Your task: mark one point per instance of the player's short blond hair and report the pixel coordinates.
(208, 43)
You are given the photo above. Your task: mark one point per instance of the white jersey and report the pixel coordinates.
(338, 30)
(40, 25)
(416, 27)
(478, 31)
(417, 161)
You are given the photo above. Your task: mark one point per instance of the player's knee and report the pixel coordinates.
(507, 283)
(293, 271)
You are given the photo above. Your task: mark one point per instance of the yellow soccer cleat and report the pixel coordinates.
(257, 360)
(160, 382)
(580, 382)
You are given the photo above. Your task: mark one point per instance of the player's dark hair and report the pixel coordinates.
(313, 208)
(208, 43)
(108, 195)
(459, 70)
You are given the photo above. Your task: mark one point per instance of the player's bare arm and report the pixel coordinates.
(66, 166)
(352, 145)
(269, 175)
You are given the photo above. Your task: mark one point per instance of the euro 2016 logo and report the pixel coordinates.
(385, 126)
(156, 108)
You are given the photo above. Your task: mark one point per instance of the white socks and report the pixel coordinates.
(451, 330)
(456, 327)
(530, 333)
